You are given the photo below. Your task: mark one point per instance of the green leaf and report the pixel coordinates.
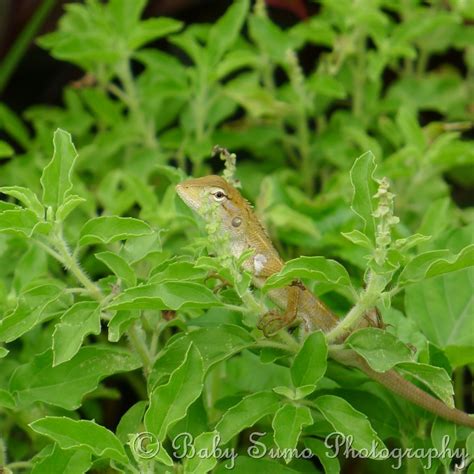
(313, 268)
(269, 37)
(325, 455)
(10, 122)
(119, 324)
(152, 29)
(310, 363)
(436, 262)
(65, 385)
(435, 378)
(69, 204)
(119, 266)
(442, 307)
(379, 348)
(6, 150)
(56, 177)
(364, 187)
(35, 306)
(253, 464)
(173, 295)
(287, 425)
(225, 30)
(83, 434)
(131, 421)
(443, 437)
(169, 403)
(18, 221)
(6, 399)
(65, 461)
(215, 343)
(326, 85)
(107, 229)
(3, 352)
(350, 423)
(204, 443)
(411, 130)
(412, 241)
(77, 322)
(26, 196)
(246, 413)
(358, 238)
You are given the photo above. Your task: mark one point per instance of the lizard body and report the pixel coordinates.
(238, 220)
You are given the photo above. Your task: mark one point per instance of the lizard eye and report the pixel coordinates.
(219, 195)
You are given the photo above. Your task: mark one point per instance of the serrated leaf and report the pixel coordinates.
(107, 229)
(312, 268)
(169, 403)
(77, 322)
(65, 385)
(435, 378)
(358, 238)
(69, 204)
(287, 425)
(18, 221)
(364, 187)
(246, 413)
(349, 422)
(56, 177)
(35, 306)
(81, 434)
(173, 295)
(119, 266)
(436, 262)
(311, 361)
(25, 196)
(214, 344)
(64, 461)
(412, 241)
(380, 349)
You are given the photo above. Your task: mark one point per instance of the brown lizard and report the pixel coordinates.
(238, 220)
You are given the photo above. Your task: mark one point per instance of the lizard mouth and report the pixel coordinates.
(187, 194)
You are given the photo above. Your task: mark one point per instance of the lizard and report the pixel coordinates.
(238, 220)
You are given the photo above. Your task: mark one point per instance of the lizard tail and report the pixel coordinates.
(397, 384)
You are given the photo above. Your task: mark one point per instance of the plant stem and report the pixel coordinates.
(273, 344)
(132, 101)
(8, 65)
(68, 260)
(139, 343)
(366, 301)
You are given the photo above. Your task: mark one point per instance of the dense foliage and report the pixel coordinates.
(123, 314)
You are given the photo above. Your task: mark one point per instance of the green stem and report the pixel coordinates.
(273, 344)
(138, 341)
(366, 301)
(19, 465)
(17, 51)
(68, 260)
(133, 102)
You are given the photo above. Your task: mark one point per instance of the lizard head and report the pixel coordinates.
(200, 193)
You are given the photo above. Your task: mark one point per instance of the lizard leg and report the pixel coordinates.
(273, 321)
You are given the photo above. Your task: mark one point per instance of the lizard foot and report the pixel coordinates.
(270, 323)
